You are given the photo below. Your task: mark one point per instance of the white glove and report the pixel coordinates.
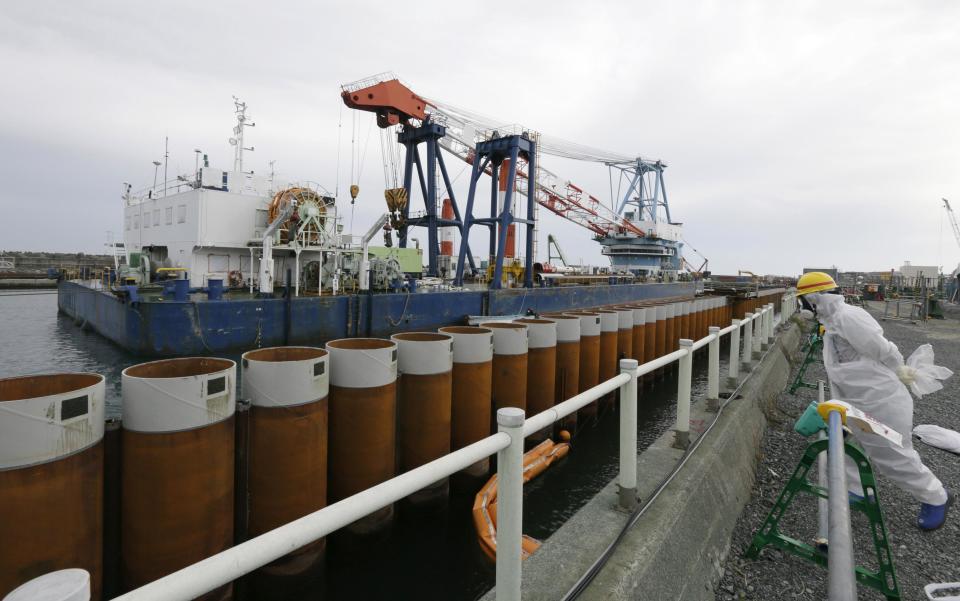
(906, 374)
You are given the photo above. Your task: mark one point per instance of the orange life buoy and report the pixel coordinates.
(535, 462)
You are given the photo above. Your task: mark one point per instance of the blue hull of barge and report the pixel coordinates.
(197, 327)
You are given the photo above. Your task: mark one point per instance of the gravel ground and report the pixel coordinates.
(919, 557)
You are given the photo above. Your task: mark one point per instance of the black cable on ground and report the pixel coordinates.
(581, 585)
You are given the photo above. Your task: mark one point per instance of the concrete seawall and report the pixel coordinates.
(676, 549)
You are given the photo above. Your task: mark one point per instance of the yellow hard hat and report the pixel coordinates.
(815, 281)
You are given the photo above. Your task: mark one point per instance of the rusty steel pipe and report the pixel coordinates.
(424, 398)
(624, 334)
(177, 495)
(51, 477)
(287, 388)
(589, 359)
(510, 346)
(609, 335)
(363, 422)
(471, 412)
(661, 348)
(567, 373)
(541, 370)
(639, 333)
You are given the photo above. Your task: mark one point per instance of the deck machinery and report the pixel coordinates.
(637, 234)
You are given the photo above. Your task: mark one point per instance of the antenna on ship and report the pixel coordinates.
(240, 108)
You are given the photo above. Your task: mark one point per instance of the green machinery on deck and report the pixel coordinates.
(410, 259)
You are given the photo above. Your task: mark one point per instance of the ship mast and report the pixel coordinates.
(240, 108)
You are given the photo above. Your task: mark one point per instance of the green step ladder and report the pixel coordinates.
(884, 579)
(814, 346)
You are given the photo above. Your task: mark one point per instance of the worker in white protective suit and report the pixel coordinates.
(868, 371)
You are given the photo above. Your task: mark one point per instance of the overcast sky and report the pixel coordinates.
(796, 133)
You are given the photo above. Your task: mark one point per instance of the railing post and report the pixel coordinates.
(747, 340)
(823, 528)
(682, 440)
(757, 334)
(628, 436)
(770, 315)
(841, 583)
(733, 360)
(713, 369)
(510, 505)
(765, 327)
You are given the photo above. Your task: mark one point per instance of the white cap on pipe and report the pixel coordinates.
(424, 353)
(509, 338)
(470, 344)
(173, 395)
(568, 327)
(608, 320)
(589, 324)
(36, 429)
(541, 333)
(285, 376)
(362, 362)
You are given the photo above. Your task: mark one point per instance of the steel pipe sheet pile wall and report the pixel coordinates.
(425, 363)
(51, 477)
(590, 331)
(212, 572)
(177, 469)
(541, 369)
(287, 388)
(470, 412)
(624, 334)
(510, 346)
(363, 422)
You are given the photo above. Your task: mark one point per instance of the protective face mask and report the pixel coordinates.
(813, 298)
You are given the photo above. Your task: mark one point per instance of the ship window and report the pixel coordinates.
(181, 213)
(126, 223)
(216, 385)
(169, 215)
(75, 407)
(244, 263)
(218, 263)
(146, 220)
(156, 217)
(136, 222)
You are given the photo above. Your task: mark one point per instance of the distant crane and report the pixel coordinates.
(634, 228)
(956, 235)
(953, 220)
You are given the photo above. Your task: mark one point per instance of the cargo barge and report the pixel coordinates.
(228, 260)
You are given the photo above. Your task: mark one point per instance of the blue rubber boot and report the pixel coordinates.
(934, 516)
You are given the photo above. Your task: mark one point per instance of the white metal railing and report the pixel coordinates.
(512, 425)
